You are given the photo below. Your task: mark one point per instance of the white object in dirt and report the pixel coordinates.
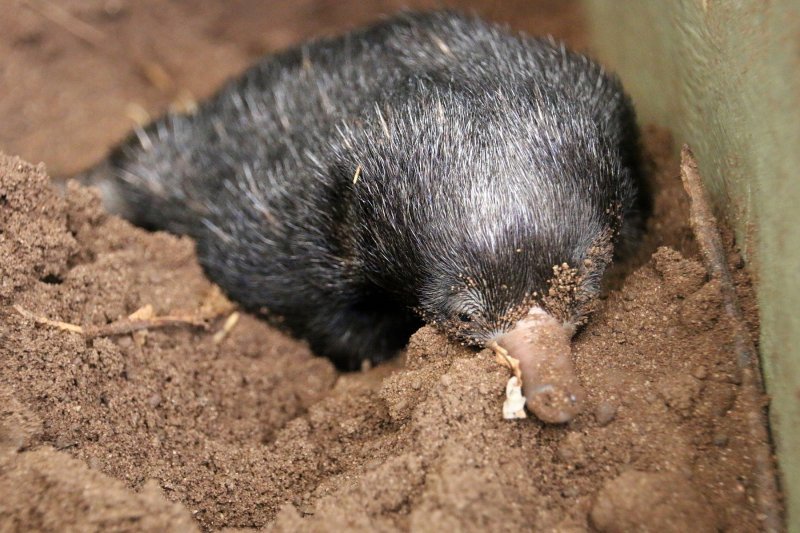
(514, 406)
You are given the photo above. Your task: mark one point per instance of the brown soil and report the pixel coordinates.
(69, 92)
(168, 429)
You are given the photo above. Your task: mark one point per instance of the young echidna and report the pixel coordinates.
(432, 167)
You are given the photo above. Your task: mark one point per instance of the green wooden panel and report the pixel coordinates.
(724, 76)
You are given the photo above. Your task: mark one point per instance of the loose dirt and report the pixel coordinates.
(169, 428)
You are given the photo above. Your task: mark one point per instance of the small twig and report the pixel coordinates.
(60, 16)
(124, 326)
(156, 75)
(504, 359)
(119, 327)
(230, 322)
(706, 231)
(46, 321)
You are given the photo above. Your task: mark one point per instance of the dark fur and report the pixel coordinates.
(430, 166)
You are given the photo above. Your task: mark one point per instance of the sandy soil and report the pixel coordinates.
(168, 429)
(75, 84)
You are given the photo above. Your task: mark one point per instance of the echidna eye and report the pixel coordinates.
(464, 317)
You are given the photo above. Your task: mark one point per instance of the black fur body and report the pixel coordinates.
(432, 167)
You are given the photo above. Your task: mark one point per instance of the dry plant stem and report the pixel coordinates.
(502, 357)
(46, 321)
(120, 327)
(230, 322)
(541, 344)
(58, 15)
(706, 231)
(124, 326)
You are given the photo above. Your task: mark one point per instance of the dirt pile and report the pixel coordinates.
(254, 431)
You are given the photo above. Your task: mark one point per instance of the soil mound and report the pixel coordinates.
(184, 427)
